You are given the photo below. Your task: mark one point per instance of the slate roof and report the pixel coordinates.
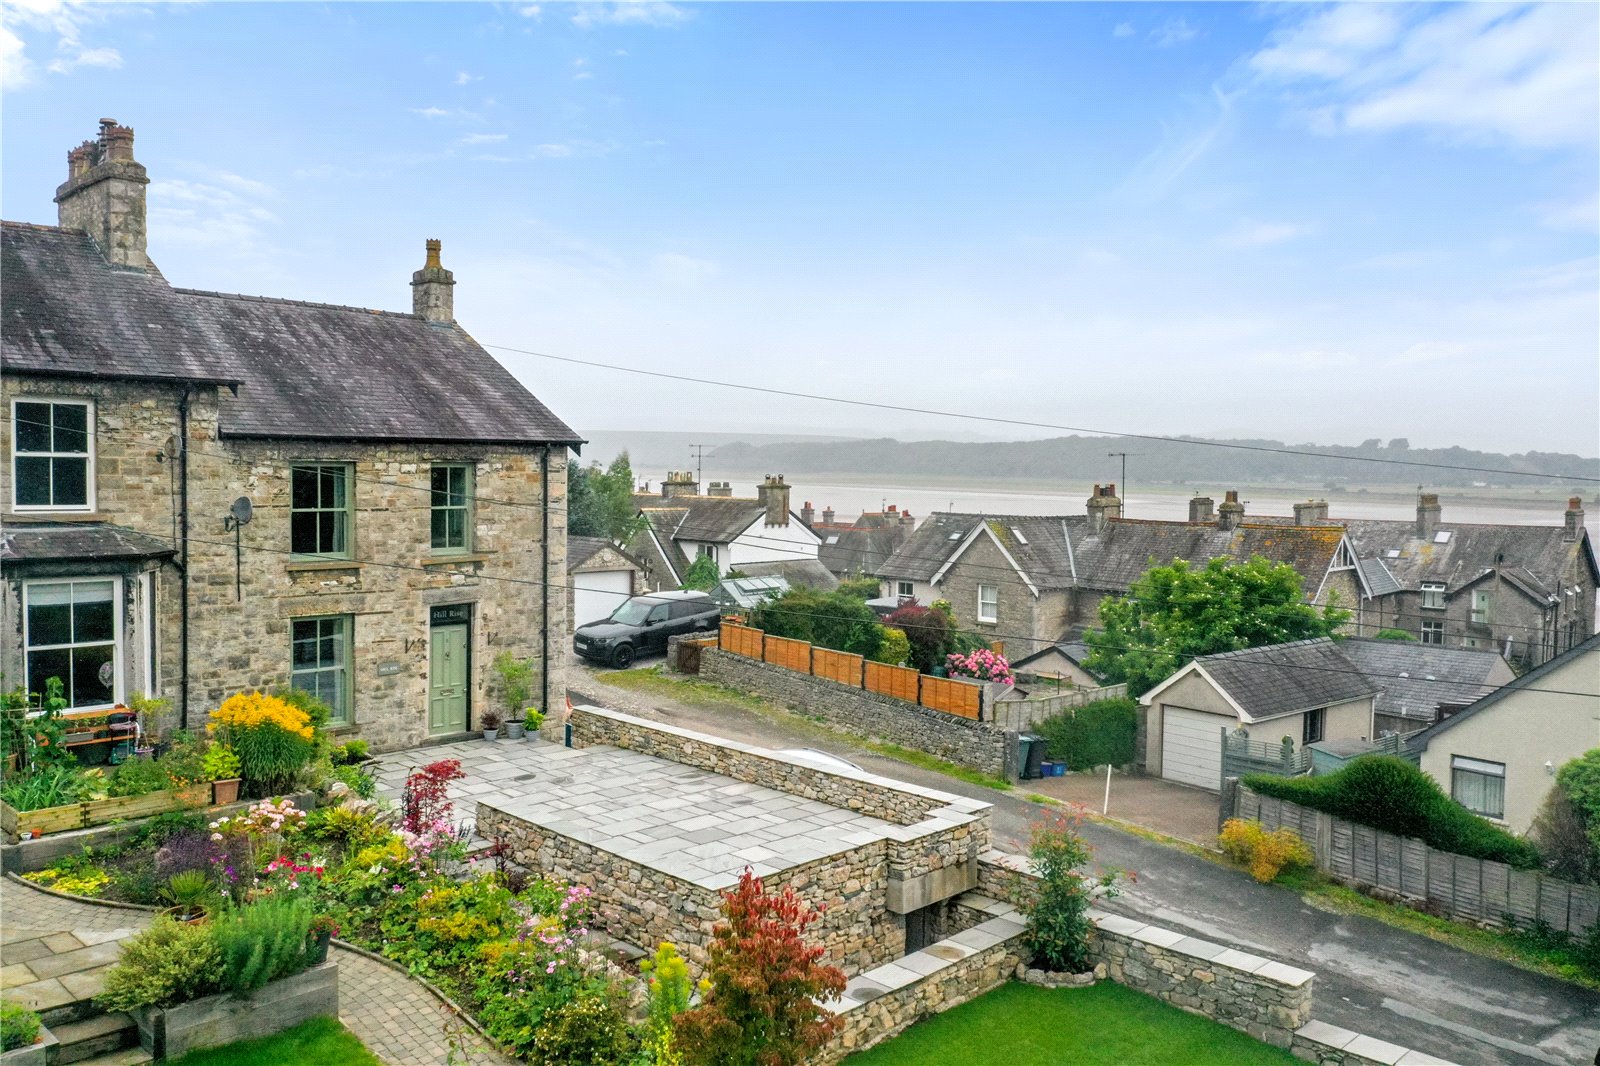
(1037, 542)
(83, 542)
(849, 550)
(1412, 679)
(808, 573)
(66, 311)
(1530, 679)
(1287, 678)
(581, 549)
(929, 546)
(1115, 559)
(1533, 556)
(303, 370)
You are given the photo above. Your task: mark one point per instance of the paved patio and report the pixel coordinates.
(681, 820)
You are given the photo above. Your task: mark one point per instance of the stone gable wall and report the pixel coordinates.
(983, 563)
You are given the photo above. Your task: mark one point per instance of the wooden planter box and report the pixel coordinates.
(171, 1032)
(18, 824)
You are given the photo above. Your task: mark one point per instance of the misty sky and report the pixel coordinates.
(1314, 223)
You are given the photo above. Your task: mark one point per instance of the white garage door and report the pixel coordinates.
(1191, 747)
(596, 593)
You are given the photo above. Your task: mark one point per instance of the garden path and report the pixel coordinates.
(71, 942)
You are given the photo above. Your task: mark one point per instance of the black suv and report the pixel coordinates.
(643, 624)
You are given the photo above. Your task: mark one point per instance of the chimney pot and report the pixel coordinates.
(104, 196)
(679, 483)
(1231, 513)
(807, 514)
(1574, 522)
(432, 288)
(1103, 506)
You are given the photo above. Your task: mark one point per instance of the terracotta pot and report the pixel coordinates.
(225, 791)
(186, 917)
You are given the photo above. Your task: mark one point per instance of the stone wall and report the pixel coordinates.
(977, 745)
(645, 906)
(1331, 1045)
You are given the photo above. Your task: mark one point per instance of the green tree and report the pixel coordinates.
(1580, 780)
(600, 501)
(1174, 613)
(826, 619)
(702, 574)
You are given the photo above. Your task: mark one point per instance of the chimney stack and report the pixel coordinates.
(679, 483)
(104, 196)
(827, 516)
(1574, 527)
(720, 488)
(1427, 515)
(1310, 512)
(906, 519)
(1231, 513)
(1103, 506)
(431, 296)
(808, 515)
(1201, 509)
(775, 494)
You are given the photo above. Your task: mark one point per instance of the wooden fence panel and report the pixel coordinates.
(1495, 881)
(1414, 868)
(1553, 900)
(837, 666)
(901, 682)
(961, 698)
(788, 653)
(742, 640)
(1524, 905)
(1389, 861)
(1468, 901)
(1344, 859)
(1584, 909)
(1365, 853)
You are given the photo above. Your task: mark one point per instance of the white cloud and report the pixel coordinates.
(619, 52)
(1184, 143)
(1171, 32)
(55, 24)
(574, 149)
(1264, 234)
(464, 78)
(686, 271)
(1581, 214)
(530, 11)
(86, 57)
(455, 114)
(1523, 74)
(1124, 29)
(552, 151)
(483, 138)
(629, 13)
(224, 212)
(430, 112)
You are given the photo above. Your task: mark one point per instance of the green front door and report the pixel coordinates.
(448, 679)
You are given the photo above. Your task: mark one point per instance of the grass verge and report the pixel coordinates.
(320, 1040)
(1103, 1025)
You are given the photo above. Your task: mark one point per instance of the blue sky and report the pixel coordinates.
(1319, 223)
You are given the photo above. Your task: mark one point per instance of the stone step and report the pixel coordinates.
(94, 1036)
(63, 1014)
(128, 1056)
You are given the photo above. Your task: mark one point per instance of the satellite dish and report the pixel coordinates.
(242, 510)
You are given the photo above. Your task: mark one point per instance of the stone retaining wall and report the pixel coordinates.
(1329, 1045)
(977, 745)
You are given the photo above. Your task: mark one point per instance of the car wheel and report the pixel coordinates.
(622, 658)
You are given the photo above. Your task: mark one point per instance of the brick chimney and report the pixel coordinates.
(1427, 515)
(1310, 512)
(1231, 513)
(1201, 509)
(720, 488)
(104, 195)
(431, 296)
(1103, 506)
(679, 483)
(808, 515)
(906, 519)
(1574, 526)
(774, 492)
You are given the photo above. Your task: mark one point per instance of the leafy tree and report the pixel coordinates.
(1058, 923)
(1174, 613)
(1563, 839)
(860, 588)
(600, 501)
(1393, 634)
(1579, 779)
(760, 1001)
(827, 619)
(928, 631)
(702, 574)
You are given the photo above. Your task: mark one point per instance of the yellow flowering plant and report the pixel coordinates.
(272, 738)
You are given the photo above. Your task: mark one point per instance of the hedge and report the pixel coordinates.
(1390, 794)
(1092, 735)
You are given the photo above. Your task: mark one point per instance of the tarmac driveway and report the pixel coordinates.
(1176, 810)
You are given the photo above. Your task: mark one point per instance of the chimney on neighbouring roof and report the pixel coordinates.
(104, 195)
(1231, 513)
(679, 483)
(1310, 512)
(906, 519)
(720, 488)
(1103, 506)
(1574, 519)
(1201, 509)
(774, 492)
(827, 516)
(1427, 515)
(808, 514)
(431, 297)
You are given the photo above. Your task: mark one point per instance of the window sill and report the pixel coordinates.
(318, 565)
(451, 560)
(55, 517)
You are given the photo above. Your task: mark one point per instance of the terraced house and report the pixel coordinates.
(206, 493)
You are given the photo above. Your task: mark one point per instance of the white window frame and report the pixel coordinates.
(1480, 606)
(1433, 596)
(1482, 768)
(1431, 626)
(708, 551)
(994, 599)
(905, 590)
(118, 649)
(87, 507)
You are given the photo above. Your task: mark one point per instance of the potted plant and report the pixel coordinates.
(323, 930)
(191, 895)
(514, 726)
(221, 765)
(516, 689)
(491, 724)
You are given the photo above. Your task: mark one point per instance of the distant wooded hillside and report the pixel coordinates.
(1158, 461)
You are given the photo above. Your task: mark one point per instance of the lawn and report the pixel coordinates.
(320, 1040)
(1023, 1025)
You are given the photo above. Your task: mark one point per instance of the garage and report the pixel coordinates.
(1191, 747)
(596, 593)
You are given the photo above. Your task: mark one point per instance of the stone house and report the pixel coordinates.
(1034, 581)
(208, 493)
(1498, 757)
(679, 525)
(858, 548)
(600, 578)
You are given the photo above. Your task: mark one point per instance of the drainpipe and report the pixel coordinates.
(544, 571)
(183, 550)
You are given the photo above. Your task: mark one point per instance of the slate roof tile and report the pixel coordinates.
(1288, 678)
(86, 542)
